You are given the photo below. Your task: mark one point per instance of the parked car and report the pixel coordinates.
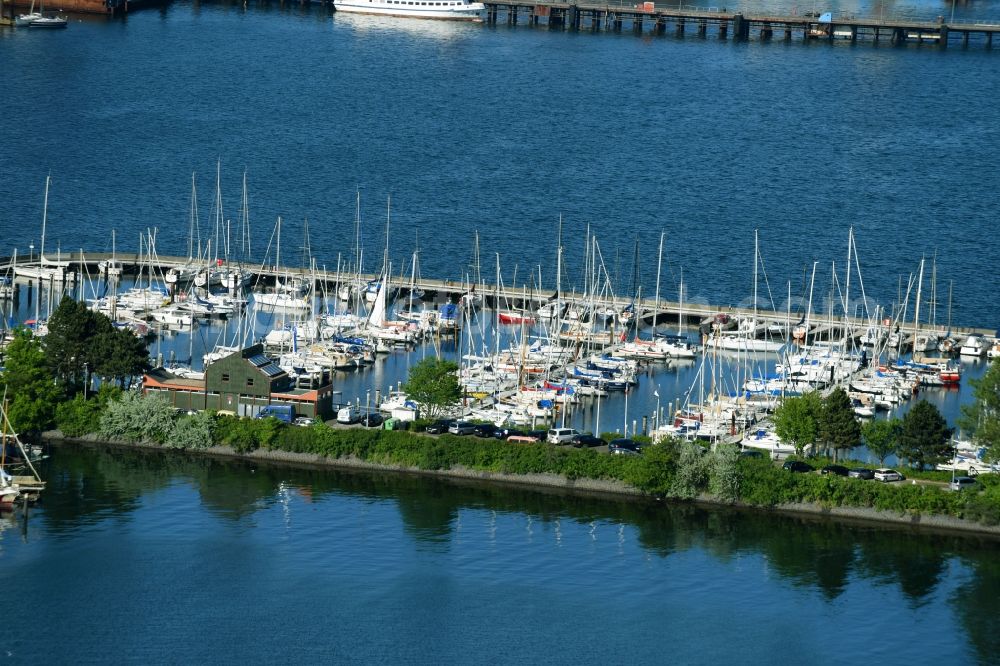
(751, 453)
(439, 426)
(539, 435)
(561, 435)
(582, 440)
(462, 428)
(348, 415)
(304, 421)
(621, 445)
(861, 473)
(886, 475)
(485, 430)
(797, 466)
(507, 433)
(372, 420)
(962, 483)
(839, 470)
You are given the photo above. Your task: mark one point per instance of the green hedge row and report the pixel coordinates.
(670, 469)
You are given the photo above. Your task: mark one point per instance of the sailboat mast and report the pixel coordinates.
(847, 286)
(755, 257)
(916, 310)
(45, 216)
(659, 266)
(680, 305)
(809, 307)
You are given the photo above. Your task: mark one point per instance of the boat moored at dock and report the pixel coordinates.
(449, 10)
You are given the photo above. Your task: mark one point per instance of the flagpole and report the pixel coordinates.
(656, 419)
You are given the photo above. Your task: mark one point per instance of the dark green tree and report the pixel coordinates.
(882, 437)
(119, 356)
(796, 420)
(30, 389)
(924, 436)
(982, 418)
(433, 384)
(838, 427)
(72, 329)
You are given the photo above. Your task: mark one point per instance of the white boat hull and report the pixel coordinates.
(442, 10)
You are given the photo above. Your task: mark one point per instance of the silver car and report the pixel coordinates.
(961, 483)
(462, 428)
(886, 475)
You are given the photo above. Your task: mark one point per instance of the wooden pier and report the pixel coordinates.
(647, 18)
(664, 312)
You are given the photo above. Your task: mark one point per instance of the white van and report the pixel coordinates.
(561, 435)
(349, 415)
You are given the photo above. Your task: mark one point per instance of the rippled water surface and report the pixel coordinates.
(505, 129)
(139, 557)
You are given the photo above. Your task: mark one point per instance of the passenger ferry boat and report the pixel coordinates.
(453, 10)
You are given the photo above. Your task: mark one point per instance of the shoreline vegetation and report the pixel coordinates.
(669, 471)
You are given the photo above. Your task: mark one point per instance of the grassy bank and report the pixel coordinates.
(669, 470)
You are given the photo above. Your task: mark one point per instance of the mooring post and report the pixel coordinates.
(741, 28)
(943, 37)
(637, 24)
(723, 29)
(702, 28)
(766, 32)
(679, 27)
(661, 25)
(788, 33)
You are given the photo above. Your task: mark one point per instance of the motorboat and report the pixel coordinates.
(974, 345)
(452, 10)
(514, 317)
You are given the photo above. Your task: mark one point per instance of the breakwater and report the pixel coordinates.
(89, 266)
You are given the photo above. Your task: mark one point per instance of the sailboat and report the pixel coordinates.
(38, 19)
(290, 293)
(14, 487)
(744, 338)
(53, 271)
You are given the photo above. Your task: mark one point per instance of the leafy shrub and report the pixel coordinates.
(137, 418)
(192, 432)
(78, 417)
(245, 435)
(724, 472)
(692, 472)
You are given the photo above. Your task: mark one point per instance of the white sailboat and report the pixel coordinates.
(289, 293)
(45, 269)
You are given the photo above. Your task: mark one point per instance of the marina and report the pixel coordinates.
(530, 355)
(662, 156)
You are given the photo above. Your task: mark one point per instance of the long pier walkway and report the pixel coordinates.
(662, 312)
(643, 17)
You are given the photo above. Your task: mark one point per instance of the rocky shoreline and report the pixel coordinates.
(555, 482)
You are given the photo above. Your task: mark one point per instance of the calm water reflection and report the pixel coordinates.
(139, 555)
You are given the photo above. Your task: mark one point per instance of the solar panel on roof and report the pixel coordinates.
(259, 360)
(271, 370)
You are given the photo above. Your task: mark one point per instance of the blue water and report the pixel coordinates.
(136, 558)
(503, 130)
(139, 558)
